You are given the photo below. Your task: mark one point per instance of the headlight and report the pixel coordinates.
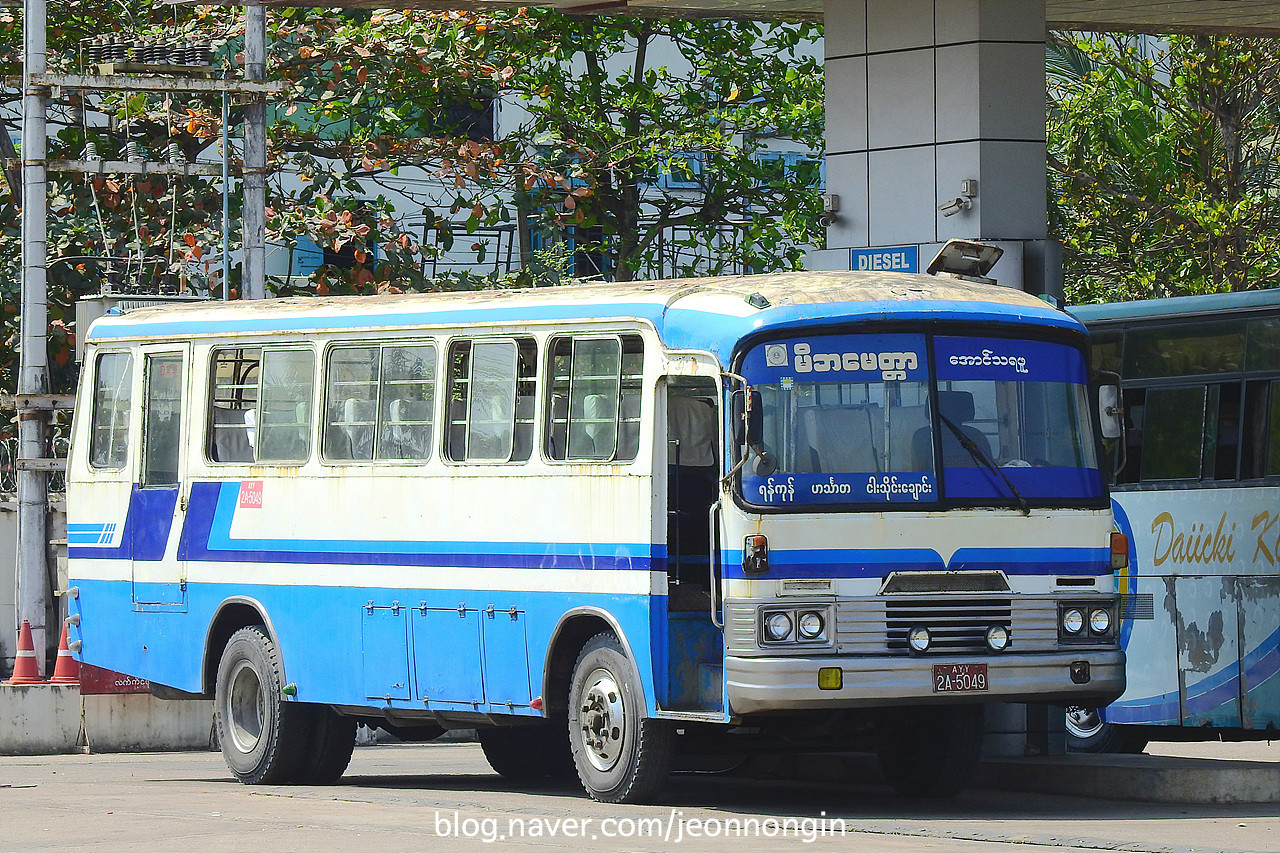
(918, 639)
(998, 638)
(1073, 621)
(777, 626)
(1100, 621)
(811, 625)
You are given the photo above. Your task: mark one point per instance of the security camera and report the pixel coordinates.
(826, 220)
(952, 206)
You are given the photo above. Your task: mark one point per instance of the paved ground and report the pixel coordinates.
(444, 797)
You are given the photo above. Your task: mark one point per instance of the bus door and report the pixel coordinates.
(158, 503)
(695, 665)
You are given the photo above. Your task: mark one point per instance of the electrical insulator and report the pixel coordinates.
(176, 157)
(133, 152)
(91, 151)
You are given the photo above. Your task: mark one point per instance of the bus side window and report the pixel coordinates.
(233, 404)
(351, 395)
(288, 377)
(491, 400)
(1173, 433)
(593, 407)
(407, 402)
(112, 396)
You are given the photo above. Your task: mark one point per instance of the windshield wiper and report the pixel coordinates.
(981, 456)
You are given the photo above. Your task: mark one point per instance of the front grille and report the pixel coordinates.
(957, 623)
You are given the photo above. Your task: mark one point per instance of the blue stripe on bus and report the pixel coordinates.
(879, 562)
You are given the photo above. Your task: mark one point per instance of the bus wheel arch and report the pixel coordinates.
(231, 615)
(575, 630)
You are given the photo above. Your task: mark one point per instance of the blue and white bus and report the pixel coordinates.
(1199, 495)
(600, 524)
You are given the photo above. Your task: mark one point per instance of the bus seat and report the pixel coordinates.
(957, 407)
(692, 422)
(846, 439)
(628, 425)
(406, 433)
(357, 427)
(904, 423)
(231, 435)
(598, 412)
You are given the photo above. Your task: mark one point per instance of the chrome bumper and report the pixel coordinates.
(769, 684)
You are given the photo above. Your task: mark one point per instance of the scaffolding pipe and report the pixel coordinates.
(254, 182)
(226, 199)
(33, 366)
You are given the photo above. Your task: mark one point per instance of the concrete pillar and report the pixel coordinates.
(922, 97)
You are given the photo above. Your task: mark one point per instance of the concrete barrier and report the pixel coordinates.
(1145, 778)
(139, 722)
(42, 719)
(1142, 778)
(39, 719)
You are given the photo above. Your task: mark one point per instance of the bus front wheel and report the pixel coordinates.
(930, 751)
(621, 756)
(1088, 732)
(264, 739)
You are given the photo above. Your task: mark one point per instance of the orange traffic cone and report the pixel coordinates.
(25, 670)
(67, 669)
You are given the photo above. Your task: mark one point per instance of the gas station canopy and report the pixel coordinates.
(1226, 17)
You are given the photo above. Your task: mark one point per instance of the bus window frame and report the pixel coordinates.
(1120, 329)
(1070, 337)
(302, 344)
(130, 353)
(446, 421)
(379, 345)
(544, 411)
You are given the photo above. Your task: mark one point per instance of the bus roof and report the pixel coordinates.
(696, 313)
(1178, 306)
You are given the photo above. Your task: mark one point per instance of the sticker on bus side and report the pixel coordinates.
(251, 494)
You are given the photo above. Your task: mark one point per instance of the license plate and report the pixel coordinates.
(959, 677)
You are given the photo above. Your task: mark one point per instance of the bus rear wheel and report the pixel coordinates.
(333, 739)
(621, 756)
(264, 739)
(930, 751)
(529, 754)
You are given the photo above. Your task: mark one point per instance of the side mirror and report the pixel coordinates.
(1110, 410)
(748, 418)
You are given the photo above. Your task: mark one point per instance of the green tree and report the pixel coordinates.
(1163, 169)
(603, 122)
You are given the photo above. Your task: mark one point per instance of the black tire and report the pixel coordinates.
(621, 756)
(264, 739)
(931, 751)
(333, 739)
(1086, 732)
(529, 754)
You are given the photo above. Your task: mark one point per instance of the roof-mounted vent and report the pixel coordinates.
(967, 260)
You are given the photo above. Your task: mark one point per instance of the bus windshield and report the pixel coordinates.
(863, 419)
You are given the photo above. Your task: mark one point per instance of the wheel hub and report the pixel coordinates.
(245, 707)
(1083, 722)
(603, 720)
